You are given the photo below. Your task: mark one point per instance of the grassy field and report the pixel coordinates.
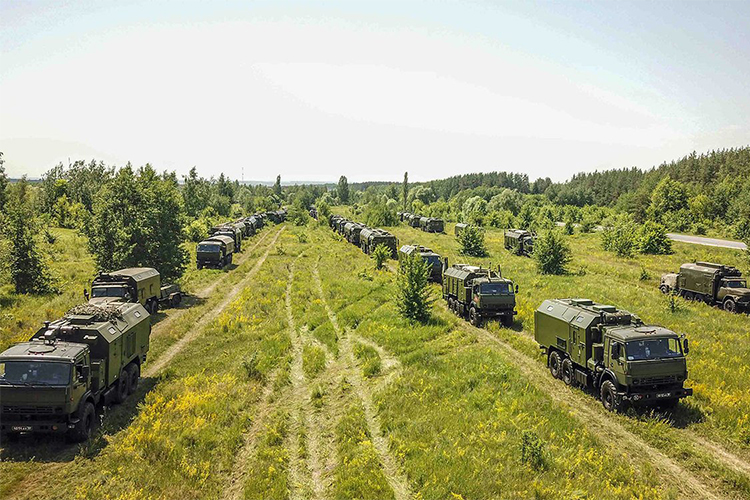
(306, 383)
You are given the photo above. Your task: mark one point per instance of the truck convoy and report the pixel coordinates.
(135, 284)
(228, 230)
(431, 258)
(714, 284)
(612, 353)
(519, 241)
(215, 251)
(53, 382)
(479, 293)
(369, 238)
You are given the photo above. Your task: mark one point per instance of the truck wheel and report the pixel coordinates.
(134, 374)
(664, 289)
(689, 296)
(474, 318)
(567, 371)
(730, 305)
(554, 363)
(123, 385)
(83, 429)
(507, 320)
(154, 306)
(176, 300)
(450, 304)
(609, 396)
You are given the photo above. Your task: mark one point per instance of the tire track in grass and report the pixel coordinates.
(391, 367)
(396, 479)
(604, 426)
(234, 489)
(198, 327)
(306, 476)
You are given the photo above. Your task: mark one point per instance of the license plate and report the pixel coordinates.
(663, 394)
(21, 428)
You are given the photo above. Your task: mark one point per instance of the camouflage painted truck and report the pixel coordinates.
(431, 258)
(135, 284)
(519, 241)
(612, 353)
(215, 251)
(53, 382)
(478, 293)
(714, 284)
(369, 238)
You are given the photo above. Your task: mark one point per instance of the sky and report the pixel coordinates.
(315, 90)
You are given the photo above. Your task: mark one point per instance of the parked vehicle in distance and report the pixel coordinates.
(431, 258)
(215, 251)
(459, 228)
(135, 284)
(479, 293)
(612, 352)
(369, 238)
(519, 241)
(232, 232)
(431, 224)
(714, 284)
(53, 382)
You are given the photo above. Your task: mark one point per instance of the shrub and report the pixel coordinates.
(619, 236)
(412, 292)
(250, 365)
(569, 227)
(552, 253)
(196, 231)
(532, 450)
(380, 253)
(653, 239)
(644, 276)
(471, 240)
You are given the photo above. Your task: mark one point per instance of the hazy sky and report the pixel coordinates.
(313, 90)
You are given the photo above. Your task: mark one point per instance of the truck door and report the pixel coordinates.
(576, 344)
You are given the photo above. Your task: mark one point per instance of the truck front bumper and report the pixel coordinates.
(36, 427)
(656, 396)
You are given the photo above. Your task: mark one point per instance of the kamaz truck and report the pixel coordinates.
(611, 352)
(232, 232)
(431, 225)
(714, 284)
(431, 258)
(352, 231)
(136, 284)
(519, 241)
(479, 293)
(414, 220)
(215, 251)
(369, 238)
(53, 382)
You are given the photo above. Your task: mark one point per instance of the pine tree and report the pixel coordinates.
(405, 190)
(343, 190)
(413, 293)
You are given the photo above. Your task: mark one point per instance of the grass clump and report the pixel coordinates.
(532, 450)
(369, 359)
(313, 360)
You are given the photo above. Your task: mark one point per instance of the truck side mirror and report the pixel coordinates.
(516, 288)
(685, 346)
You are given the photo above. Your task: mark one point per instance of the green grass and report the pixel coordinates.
(369, 359)
(313, 360)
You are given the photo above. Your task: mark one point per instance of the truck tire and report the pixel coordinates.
(555, 364)
(507, 320)
(664, 289)
(609, 396)
(730, 305)
(450, 303)
(566, 372)
(689, 296)
(176, 300)
(474, 318)
(85, 426)
(230, 258)
(122, 386)
(134, 374)
(154, 306)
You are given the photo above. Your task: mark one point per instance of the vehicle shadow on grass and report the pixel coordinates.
(46, 448)
(188, 301)
(680, 416)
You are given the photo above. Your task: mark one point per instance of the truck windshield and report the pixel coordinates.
(433, 260)
(34, 372)
(496, 289)
(208, 248)
(108, 291)
(735, 284)
(638, 350)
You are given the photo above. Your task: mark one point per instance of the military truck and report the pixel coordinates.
(352, 231)
(215, 251)
(414, 220)
(333, 220)
(519, 241)
(714, 284)
(232, 232)
(611, 352)
(369, 238)
(431, 258)
(53, 382)
(135, 284)
(248, 227)
(431, 224)
(479, 293)
(340, 223)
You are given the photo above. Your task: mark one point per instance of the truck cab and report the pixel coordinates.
(479, 293)
(135, 284)
(734, 294)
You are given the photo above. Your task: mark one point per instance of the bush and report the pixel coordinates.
(380, 253)
(552, 253)
(653, 239)
(196, 231)
(619, 236)
(532, 450)
(471, 240)
(412, 292)
(298, 215)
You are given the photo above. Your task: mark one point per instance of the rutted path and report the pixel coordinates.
(391, 367)
(603, 426)
(197, 328)
(393, 474)
(305, 476)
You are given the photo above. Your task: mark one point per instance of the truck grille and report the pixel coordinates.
(31, 410)
(668, 379)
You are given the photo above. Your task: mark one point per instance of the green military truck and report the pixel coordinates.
(479, 293)
(431, 258)
(611, 352)
(53, 382)
(414, 220)
(459, 228)
(519, 241)
(431, 224)
(215, 251)
(714, 284)
(135, 284)
(369, 238)
(352, 231)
